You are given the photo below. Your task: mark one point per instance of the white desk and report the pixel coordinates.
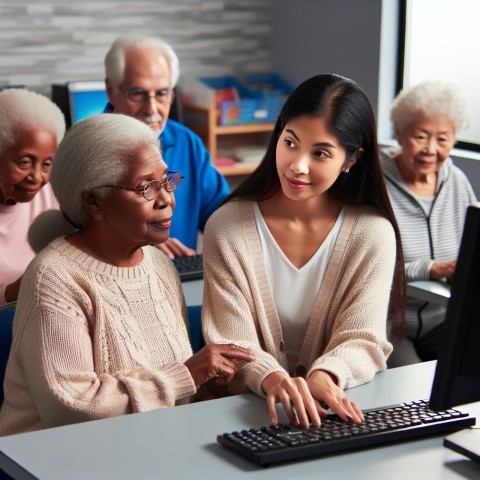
(430, 291)
(193, 291)
(180, 443)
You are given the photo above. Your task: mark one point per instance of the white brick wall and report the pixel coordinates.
(45, 42)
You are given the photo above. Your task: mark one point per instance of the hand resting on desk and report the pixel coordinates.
(440, 270)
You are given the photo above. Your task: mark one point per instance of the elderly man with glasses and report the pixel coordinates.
(141, 73)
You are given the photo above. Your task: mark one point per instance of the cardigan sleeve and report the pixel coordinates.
(231, 301)
(418, 270)
(357, 346)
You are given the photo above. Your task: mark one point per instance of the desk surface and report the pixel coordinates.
(430, 291)
(181, 443)
(193, 292)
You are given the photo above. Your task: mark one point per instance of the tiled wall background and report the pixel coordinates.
(45, 42)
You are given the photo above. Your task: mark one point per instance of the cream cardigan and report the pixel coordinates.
(92, 341)
(346, 335)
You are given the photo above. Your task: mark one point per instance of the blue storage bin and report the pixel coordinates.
(257, 99)
(235, 103)
(270, 91)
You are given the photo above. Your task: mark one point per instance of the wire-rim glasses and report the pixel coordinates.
(151, 190)
(139, 95)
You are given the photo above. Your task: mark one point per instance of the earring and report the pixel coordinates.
(346, 170)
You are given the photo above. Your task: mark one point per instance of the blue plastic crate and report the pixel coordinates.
(258, 99)
(270, 91)
(268, 84)
(239, 108)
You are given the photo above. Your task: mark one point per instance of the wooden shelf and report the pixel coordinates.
(240, 169)
(204, 122)
(240, 129)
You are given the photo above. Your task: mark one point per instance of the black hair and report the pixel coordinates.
(349, 116)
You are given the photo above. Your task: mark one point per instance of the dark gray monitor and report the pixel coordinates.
(457, 375)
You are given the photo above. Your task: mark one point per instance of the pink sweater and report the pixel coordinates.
(15, 220)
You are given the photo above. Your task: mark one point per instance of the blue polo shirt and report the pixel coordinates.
(203, 187)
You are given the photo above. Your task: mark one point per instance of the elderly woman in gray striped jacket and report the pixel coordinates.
(429, 195)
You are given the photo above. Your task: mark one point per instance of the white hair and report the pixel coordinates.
(22, 110)
(429, 98)
(115, 58)
(95, 152)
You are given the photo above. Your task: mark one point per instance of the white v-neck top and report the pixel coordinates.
(294, 289)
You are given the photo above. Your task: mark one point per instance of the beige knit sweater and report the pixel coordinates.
(346, 334)
(91, 340)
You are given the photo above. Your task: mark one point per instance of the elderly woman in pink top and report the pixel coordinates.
(31, 127)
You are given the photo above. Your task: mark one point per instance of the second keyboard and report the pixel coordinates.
(189, 268)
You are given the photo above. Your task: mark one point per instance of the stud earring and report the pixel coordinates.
(346, 170)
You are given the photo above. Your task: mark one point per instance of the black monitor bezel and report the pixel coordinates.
(450, 386)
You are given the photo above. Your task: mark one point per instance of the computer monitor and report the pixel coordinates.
(79, 100)
(457, 375)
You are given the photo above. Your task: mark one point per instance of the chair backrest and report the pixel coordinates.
(195, 326)
(7, 312)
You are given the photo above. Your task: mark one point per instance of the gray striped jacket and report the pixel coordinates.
(427, 238)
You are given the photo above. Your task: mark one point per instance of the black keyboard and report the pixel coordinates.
(189, 268)
(283, 442)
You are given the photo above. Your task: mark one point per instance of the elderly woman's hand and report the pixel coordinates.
(217, 361)
(440, 270)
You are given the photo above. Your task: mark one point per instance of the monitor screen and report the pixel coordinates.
(457, 375)
(86, 98)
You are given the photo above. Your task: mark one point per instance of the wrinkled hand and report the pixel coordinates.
(324, 389)
(174, 248)
(293, 393)
(217, 361)
(442, 269)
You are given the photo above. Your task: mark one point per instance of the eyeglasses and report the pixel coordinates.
(139, 95)
(151, 190)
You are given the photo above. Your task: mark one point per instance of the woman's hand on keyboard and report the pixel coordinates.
(323, 387)
(217, 361)
(293, 393)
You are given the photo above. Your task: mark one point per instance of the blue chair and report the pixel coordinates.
(7, 313)
(195, 326)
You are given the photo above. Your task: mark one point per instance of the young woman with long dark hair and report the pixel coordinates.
(303, 262)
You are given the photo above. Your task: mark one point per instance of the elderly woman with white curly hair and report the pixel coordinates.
(429, 195)
(100, 327)
(31, 126)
